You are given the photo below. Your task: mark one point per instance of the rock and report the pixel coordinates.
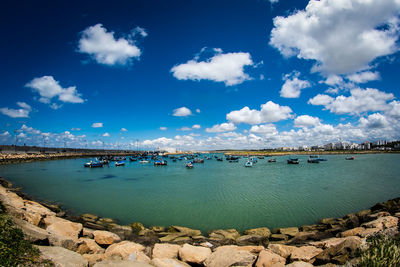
(313, 227)
(139, 257)
(262, 231)
(194, 254)
(231, 234)
(289, 231)
(299, 264)
(95, 226)
(267, 258)
(137, 227)
(121, 263)
(305, 253)
(35, 207)
(89, 246)
(93, 258)
(63, 227)
(62, 257)
(303, 236)
(352, 232)
(165, 262)
(67, 242)
(171, 237)
(124, 232)
(377, 215)
(146, 232)
(86, 232)
(251, 240)
(382, 223)
(105, 237)
(184, 230)
(182, 240)
(32, 218)
(352, 221)
(123, 249)
(88, 217)
(327, 243)
(226, 256)
(327, 221)
(32, 233)
(278, 237)
(282, 250)
(340, 253)
(252, 249)
(363, 215)
(169, 251)
(206, 245)
(157, 229)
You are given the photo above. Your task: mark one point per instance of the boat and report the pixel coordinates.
(249, 163)
(234, 160)
(144, 161)
(160, 163)
(272, 160)
(132, 159)
(119, 163)
(220, 159)
(87, 164)
(189, 165)
(350, 158)
(314, 156)
(198, 160)
(96, 165)
(293, 161)
(313, 160)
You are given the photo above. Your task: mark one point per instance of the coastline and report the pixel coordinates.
(311, 241)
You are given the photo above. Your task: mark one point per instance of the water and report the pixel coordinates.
(214, 195)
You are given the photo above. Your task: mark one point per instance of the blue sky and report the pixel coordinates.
(199, 74)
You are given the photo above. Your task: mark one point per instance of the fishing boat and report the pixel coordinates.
(189, 165)
(350, 158)
(249, 163)
(160, 163)
(313, 160)
(272, 160)
(198, 160)
(293, 161)
(144, 161)
(87, 164)
(96, 165)
(220, 159)
(261, 157)
(119, 163)
(132, 159)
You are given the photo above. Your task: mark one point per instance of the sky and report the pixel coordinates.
(199, 75)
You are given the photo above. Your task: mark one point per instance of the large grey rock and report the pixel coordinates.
(32, 233)
(62, 257)
(227, 256)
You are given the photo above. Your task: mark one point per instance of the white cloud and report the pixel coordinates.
(333, 79)
(139, 30)
(22, 112)
(106, 135)
(163, 128)
(375, 120)
(22, 135)
(293, 85)
(270, 112)
(97, 125)
(30, 130)
(198, 110)
(5, 134)
(264, 129)
(223, 127)
(182, 112)
(273, 1)
(105, 49)
(364, 77)
(48, 88)
(341, 36)
(124, 130)
(360, 100)
(196, 126)
(75, 129)
(306, 121)
(227, 68)
(394, 109)
(185, 129)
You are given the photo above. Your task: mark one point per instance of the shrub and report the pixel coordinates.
(382, 251)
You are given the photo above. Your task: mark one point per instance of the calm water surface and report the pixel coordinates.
(215, 194)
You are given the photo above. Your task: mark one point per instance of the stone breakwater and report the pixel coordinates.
(93, 241)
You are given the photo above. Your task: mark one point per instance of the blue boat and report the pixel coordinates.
(249, 163)
(293, 161)
(119, 163)
(96, 165)
(189, 165)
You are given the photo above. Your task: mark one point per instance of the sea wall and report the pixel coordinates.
(92, 241)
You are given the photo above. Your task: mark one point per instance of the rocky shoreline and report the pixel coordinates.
(92, 241)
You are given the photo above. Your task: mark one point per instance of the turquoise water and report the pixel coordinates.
(215, 194)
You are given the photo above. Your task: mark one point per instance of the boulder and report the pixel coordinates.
(363, 215)
(123, 249)
(93, 258)
(262, 231)
(67, 242)
(303, 236)
(182, 240)
(146, 232)
(32, 218)
(87, 232)
(278, 237)
(168, 251)
(157, 229)
(62, 257)
(63, 227)
(230, 234)
(327, 221)
(305, 253)
(184, 230)
(194, 254)
(124, 232)
(170, 237)
(251, 249)
(267, 258)
(313, 227)
(226, 256)
(121, 263)
(282, 250)
(251, 240)
(32, 233)
(382, 223)
(352, 221)
(340, 253)
(88, 217)
(34, 207)
(89, 246)
(165, 262)
(137, 227)
(299, 264)
(105, 237)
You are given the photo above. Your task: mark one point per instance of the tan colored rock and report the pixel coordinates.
(184, 230)
(305, 253)
(252, 249)
(158, 229)
(35, 207)
(262, 231)
(123, 249)
(377, 215)
(31, 232)
(382, 223)
(371, 231)
(290, 231)
(93, 258)
(139, 256)
(62, 257)
(105, 237)
(89, 246)
(194, 254)
(352, 232)
(282, 250)
(32, 217)
(226, 256)
(231, 234)
(168, 251)
(299, 264)
(171, 237)
(327, 243)
(267, 259)
(86, 232)
(121, 263)
(165, 262)
(182, 239)
(251, 240)
(88, 217)
(70, 243)
(65, 228)
(278, 237)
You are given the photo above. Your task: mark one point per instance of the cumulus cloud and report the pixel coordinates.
(223, 127)
(124, 130)
(269, 112)
(106, 135)
(375, 120)
(363, 77)
(306, 121)
(293, 85)
(196, 126)
(22, 112)
(163, 128)
(227, 68)
(185, 129)
(105, 49)
(360, 100)
(48, 88)
(97, 125)
(182, 112)
(198, 110)
(75, 129)
(343, 37)
(264, 129)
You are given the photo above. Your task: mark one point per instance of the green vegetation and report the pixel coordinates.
(381, 252)
(14, 250)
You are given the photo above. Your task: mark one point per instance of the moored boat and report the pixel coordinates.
(119, 163)
(160, 163)
(350, 158)
(96, 165)
(313, 160)
(272, 160)
(144, 161)
(249, 163)
(293, 161)
(189, 165)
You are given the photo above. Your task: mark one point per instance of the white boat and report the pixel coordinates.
(248, 164)
(144, 161)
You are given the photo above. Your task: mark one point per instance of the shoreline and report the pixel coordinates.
(315, 239)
